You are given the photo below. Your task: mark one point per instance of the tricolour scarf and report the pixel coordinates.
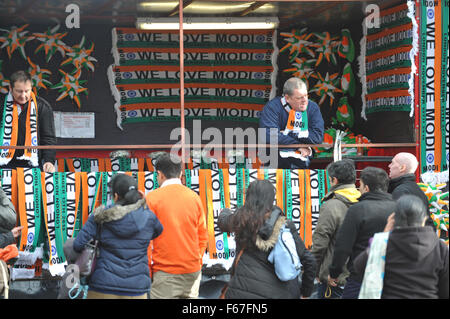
(9, 130)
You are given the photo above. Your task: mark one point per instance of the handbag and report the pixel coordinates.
(86, 260)
(284, 256)
(225, 288)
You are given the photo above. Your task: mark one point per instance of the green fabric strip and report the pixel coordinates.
(205, 45)
(239, 187)
(399, 108)
(187, 174)
(58, 212)
(125, 164)
(63, 199)
(37, 190)
(288, 193)
(104, 188)
(390, 46)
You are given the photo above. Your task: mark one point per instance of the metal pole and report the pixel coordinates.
(183, 151)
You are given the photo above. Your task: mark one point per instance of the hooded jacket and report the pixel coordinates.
(332, 212)
(362, 221)
(416, 265)
(254, 276)
(125, 234)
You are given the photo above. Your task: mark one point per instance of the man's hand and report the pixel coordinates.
(332, 281)
(48, 167)
(305, 151)
(16, 231)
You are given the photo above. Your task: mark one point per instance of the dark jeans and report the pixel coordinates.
(351, 289)
(336, 292)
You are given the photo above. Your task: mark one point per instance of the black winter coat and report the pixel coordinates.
(362, 221)
(46, 133)
(254, 276)
(406, 184)
(416, 265)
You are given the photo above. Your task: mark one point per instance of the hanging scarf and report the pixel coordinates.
(297, 121)
(372, 285)
(52, 217)
(9, 131)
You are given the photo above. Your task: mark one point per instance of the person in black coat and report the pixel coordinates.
(362, 221)
(403, 180)
(416, 264)
(21, 91)
(254, 276)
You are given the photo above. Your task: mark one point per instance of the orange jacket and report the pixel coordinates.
(180, 247)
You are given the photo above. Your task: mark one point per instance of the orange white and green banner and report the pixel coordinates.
(227, 74)
(387, 64)
(434, 127)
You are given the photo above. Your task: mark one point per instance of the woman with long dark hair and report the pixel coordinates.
(257, 225)
(124, 230)
(416, 260)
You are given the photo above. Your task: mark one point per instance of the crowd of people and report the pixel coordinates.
(152, 246)
(376, 241)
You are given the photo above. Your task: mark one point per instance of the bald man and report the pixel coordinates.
(403, 179)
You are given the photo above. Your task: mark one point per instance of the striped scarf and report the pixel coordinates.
(9, 130)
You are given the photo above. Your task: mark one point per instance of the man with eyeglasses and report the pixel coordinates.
(293, 119)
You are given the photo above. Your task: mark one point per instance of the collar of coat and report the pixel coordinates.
(266, 245)
(105, 214)
(393, 183)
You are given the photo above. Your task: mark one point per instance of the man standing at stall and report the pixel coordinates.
(294, 120)
(177, 253)
(26, 120)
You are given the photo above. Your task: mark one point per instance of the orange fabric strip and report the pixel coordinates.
(187, 68)
(85, 196)
(387, 53)
(22, 210)
(308, 211)
(280, 199)
(301, 178)
(373, 76)
(389, 31)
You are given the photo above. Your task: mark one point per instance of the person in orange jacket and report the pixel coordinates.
(177, 253)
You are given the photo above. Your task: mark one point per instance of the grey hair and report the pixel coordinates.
(292, 84)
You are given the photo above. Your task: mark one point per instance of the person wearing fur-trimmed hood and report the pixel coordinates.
(254, 275)
(126, 229)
